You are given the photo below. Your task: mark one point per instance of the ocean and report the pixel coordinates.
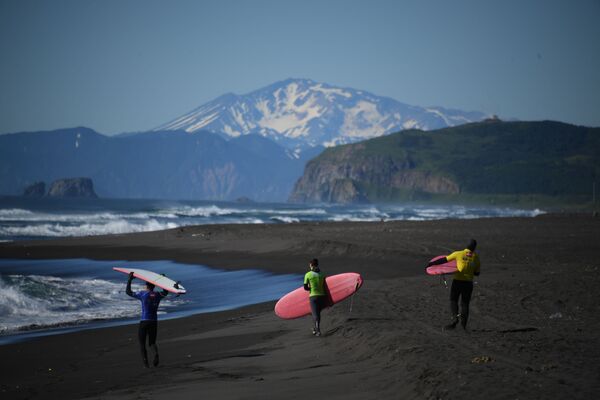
(44, 297)
(26, 219)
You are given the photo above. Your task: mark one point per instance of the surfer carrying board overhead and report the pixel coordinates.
(314, 282)
(467, 265)
(148, 324)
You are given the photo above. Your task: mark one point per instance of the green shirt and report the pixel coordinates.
(316, 281)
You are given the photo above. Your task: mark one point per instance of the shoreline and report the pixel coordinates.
(533, 327)
(241, 246)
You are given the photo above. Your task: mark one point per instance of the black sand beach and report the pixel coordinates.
(533, 328)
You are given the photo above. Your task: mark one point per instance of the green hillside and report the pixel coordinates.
(503, 159)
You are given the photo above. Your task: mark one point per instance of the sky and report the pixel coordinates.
(131, 65)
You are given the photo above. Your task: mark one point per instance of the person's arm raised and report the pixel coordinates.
(128, 289)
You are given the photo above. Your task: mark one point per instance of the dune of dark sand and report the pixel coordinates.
(533, 331)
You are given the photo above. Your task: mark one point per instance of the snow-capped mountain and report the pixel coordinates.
(300, 113)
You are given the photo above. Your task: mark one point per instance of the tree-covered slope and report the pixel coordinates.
(492, 157)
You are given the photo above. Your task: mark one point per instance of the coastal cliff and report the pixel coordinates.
(349, 178)
(489, 158)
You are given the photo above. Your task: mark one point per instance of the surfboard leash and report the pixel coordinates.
(352, 299)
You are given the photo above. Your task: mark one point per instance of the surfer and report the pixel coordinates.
(314, 282)
(467, 264)
(149, 322)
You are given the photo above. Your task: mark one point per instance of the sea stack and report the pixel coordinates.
(35, 190)
(71, 188)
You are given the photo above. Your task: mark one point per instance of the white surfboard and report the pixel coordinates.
(156, 279)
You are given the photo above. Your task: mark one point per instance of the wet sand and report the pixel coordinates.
(533, 328)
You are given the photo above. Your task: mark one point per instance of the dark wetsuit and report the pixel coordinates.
(148, 324)
(468, 266)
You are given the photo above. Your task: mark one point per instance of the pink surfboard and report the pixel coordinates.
(296, 304)
(442, 269)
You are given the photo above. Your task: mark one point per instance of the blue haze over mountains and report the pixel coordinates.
(300, 113)
(254, 146)
(165, 165)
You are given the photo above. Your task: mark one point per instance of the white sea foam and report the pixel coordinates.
(19, 223)
(24, 215)
(14, 213)
(252, 221)
(206, 211)
(286, 220)
(85, 229)
(353, 218)
(81, 291)
(35, 301)
(523, 213)
(309, 211)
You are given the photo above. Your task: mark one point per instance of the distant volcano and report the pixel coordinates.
(301, 113)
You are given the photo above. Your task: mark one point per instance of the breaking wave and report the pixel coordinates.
(31, 302)
(40, 295)
(112, 217)
(47, 230)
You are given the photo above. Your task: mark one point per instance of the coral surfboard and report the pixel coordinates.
(442, 269)
(158, 280)
(296, 304)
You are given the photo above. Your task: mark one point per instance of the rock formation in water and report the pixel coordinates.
(72, 187)
(35, 190)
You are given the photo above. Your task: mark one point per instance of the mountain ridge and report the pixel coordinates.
(165, 165)
(301, 113)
